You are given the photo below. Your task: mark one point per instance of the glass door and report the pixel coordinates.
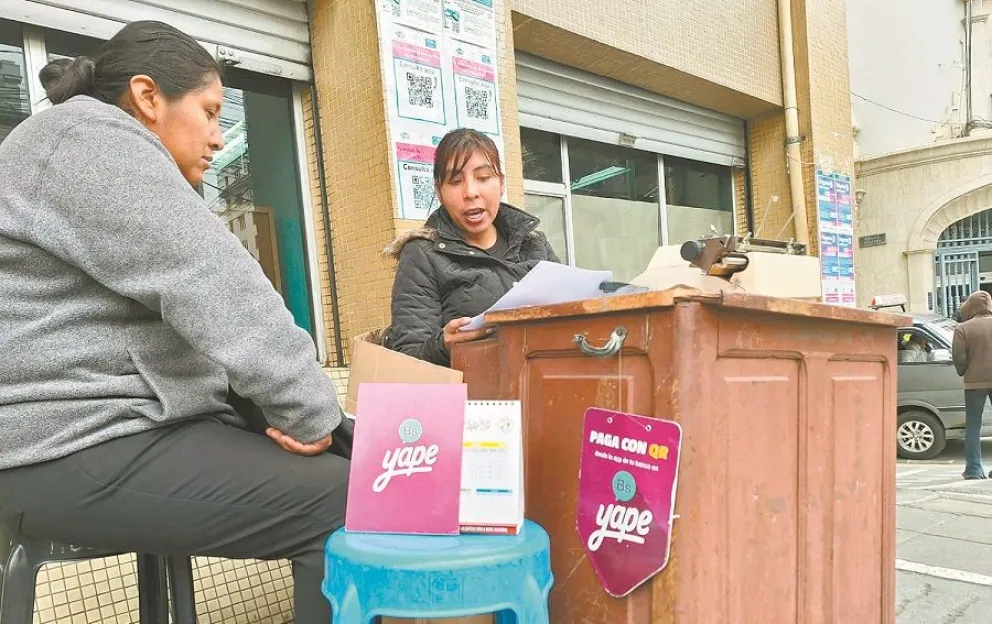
(549, 207)
(253, 185)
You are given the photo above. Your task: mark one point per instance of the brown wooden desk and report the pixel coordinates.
(786, 497)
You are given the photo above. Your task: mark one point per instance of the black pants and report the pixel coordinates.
(197, 488)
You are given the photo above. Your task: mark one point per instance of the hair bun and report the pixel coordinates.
(66, 78)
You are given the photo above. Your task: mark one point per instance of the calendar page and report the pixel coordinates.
(492, 496)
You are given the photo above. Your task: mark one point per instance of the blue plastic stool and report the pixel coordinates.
(411, 576)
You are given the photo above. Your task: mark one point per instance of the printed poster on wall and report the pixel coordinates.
(626, 506)
(422, 14)
(439, 73)
(828, 255)
(417, 76)
(415, 172)
(476, 104)
(835, 215)
(471, 20)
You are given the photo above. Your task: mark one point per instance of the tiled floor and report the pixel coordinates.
(104, 591)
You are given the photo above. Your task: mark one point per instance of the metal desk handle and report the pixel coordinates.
(610, 348)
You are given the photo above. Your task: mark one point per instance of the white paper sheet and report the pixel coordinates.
(548, 283)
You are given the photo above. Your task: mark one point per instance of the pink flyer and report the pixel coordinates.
(627, 481)
(407, 457)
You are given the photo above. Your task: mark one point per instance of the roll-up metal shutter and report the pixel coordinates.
(572, 102)
(266, 36)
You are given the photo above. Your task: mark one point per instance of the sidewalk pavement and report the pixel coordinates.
(943, 545)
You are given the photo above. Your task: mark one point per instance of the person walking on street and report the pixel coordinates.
(972, 352)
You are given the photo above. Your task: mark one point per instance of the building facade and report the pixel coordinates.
(688, 95)
(923, 116)
(646, 124)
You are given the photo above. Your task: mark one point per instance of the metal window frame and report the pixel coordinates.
(309, 223)
(564, 191)
(566, 180)
(35, 58)
(663, 234)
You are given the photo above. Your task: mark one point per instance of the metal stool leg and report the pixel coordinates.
(153, 606)
(17, 588)
(181, 589)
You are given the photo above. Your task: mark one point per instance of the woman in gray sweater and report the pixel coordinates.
(128, 310)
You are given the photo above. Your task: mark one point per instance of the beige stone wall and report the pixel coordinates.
(912, 197)
(722, 54)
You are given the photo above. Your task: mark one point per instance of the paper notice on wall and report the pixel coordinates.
(417, 76)
(439, 73)
(845, 256)
(831, 292)
(471, 20)
(476, 103)
(422, 14)
(835, 217)
(847, 294)
(415, 170)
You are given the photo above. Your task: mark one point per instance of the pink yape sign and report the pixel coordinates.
(627, 480)
(407, 458)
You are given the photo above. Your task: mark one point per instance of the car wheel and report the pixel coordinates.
(920, 435)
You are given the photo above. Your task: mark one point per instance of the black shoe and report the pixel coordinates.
(968, 477)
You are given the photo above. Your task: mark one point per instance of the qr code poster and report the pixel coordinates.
(417, 76)
(422, 14)
(476, 99)
(415, 164)
(471, 20)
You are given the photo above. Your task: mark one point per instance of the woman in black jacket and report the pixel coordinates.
(468, 254)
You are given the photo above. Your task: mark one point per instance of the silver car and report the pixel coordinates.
(931, 395)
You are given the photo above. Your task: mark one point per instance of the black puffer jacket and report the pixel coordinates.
(440, 277)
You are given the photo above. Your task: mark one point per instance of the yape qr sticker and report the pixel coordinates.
(417, 76)
(416, 177)
(476, 102)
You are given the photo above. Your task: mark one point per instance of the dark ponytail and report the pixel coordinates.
(173, 59)
(65, 78)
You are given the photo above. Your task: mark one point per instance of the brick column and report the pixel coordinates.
(823, 90)
(356, 159)
(360, 177)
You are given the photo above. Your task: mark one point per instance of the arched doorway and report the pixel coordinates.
(963, 261)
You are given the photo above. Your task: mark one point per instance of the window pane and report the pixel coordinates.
(68, 45)
(614, 207)
(551, 212)
(699, 195)
(541, 155)
(253, 186)
(14, 104)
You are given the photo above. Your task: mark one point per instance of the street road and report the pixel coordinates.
(944, 541)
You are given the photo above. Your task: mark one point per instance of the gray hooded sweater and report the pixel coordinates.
(124, 303)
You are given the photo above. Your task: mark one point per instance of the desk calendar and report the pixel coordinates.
(492, 495)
